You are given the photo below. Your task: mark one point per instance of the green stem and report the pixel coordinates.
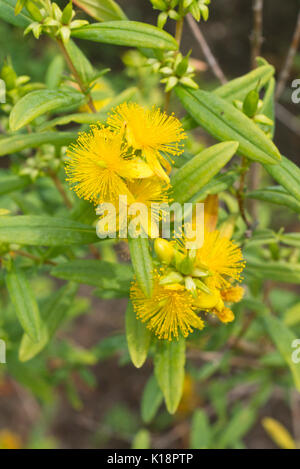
(76, 75)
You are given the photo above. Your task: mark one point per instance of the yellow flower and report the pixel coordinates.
(225, 315)
(232, 294)
(168, 312)
(156, 134)
(222, 257)
(96, 167)
(148, 192)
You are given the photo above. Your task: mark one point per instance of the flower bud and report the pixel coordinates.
(164, 250)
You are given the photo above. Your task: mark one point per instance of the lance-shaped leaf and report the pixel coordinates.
(291, 239)
(138, 337)
(201, 433)
(91, 118)
(142, 263)
(197, 172)
(53, 314)
(239, 88)
(127, 33)
(276, 195)
(22, 141)
(278, 271)
(7, 13)
(39, 102)
(34, 230)
(283, 339)
(151, 400)
(24, 302)
(102, 10)
(83, 66)
(224, 122)
(13, 183)
(169, 362)
(102, 274)
(287, 174)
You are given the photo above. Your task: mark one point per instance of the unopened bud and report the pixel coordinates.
(164, 250)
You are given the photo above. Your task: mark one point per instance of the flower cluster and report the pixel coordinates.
(190, 283)
(130, 156)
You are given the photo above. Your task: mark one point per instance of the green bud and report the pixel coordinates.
(182, 67)
(170, 83)
(67, 14)
(159, 4)
(65, 33)
(162, 19)
(8, 75)
(191, 286)
(250, 103)
(204, 12)
(172, 277)
(186, 4)
(262, 119)
(195, 11)
(189, 83)
(174, 15)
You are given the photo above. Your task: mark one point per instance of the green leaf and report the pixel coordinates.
(53, 313)
(201, 434)
(34, 140)
(39, 102)
(197, 172)
(138, 337)
(283, 339)
(169, 364)
(141, 440)
(291, 239)
(55, 72)
(292, 315)
(151, 400)
(287, 174)
(33, 230)
(102, 10)
(224, 122)
(238, 426)
(24, 302)
(142, 263)
(278, 271)
(103, 274)
(83, 66)
(92, 118)
(240, 87)
(13, 183)
(275, 195)
(127, 33)
(7, 13)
